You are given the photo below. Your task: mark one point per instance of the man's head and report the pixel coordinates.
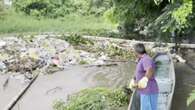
(139, 49)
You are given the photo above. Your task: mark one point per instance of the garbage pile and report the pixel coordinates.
(43, 54)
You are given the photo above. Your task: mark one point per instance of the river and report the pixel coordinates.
(48, 88)
(185, 86)
(184, 97)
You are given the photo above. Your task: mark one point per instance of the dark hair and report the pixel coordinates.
(139, 48)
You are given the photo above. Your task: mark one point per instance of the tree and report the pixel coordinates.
(176, 16)
(149, 16)
(60, 8)
(2, 11)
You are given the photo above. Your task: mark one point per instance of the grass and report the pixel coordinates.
(20, 23)
(95, 99)
(191, 98)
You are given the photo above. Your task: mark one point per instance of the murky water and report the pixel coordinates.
(185, 86)
(59, 85)
(184, 97)
(114, 77)
(7, 93)
(48, 88)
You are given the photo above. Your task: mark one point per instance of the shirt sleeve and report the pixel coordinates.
(147, 63)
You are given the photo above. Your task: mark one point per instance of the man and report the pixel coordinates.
(144, 80)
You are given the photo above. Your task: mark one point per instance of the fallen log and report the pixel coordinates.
(100, 65)
(116, 60)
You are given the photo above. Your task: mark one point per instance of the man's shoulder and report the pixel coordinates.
(147, 57)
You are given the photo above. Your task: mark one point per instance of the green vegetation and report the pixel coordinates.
(116, 52)
(134, 19)
(1, 6)
(94, 99)
(56, 8)
(2, 10)
(147, 17)
(76, 39)
(191, 98)
(112, 49)
(119, 53)
(176, 16)
(82, 62)
(83, 16)
(19, 23)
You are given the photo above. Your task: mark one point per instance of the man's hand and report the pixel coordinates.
(133, 84)
(143, 83)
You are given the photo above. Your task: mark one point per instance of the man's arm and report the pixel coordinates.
(147, 65)
(149, 72)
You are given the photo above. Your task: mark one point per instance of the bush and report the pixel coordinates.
(101, 32)
(2, 11)
(49, 8)
(94, 99)
(76, 39)
(60, 8)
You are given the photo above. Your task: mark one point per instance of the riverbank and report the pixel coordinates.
(22, 58)
(100, 62)
(91, 77)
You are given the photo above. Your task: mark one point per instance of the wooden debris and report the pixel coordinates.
(21, 93)
(101, 65)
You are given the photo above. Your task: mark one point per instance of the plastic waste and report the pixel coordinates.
(2, 66)
(2, 44)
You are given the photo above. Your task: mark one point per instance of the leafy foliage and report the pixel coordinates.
(56, 8)
(50, 8)
(191, 98)
(181, 14)
(117, 52)
(101, 32)
(76, 39)
(151, 18)
(147, 17)
(1, 6)
(94, 99)
(129, 13)
(2, 11)
(176, 17)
